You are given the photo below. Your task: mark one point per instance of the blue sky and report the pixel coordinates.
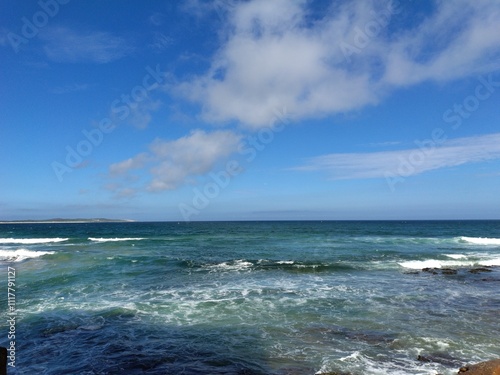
(250, 110)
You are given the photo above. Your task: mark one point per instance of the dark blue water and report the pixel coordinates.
(252, 297)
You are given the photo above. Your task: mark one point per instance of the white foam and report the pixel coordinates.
(481, 240)
(456, 256)
(237, 265)
(365, 364)
(21, 254)
(435, 263)
(31, 241)
(114, 239)
(432, 263)
(356, 355)
(490, 262)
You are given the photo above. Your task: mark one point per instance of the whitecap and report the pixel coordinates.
(435, 263)
(430, 263)
(456, 256)
(490, 262)
(481, 240)
(21, 254)
(114, 239)
(237, 265)
(356, 355)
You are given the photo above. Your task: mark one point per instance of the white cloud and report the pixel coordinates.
(276, 54)
(160, 42)
(62, 44)
(123, 167)
(141, 113)
(408, 162)
(460, 39)
(174, 163)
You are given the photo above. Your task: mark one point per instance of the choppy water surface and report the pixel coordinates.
(253, 297)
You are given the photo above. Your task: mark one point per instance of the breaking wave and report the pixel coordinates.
(21, 254)
(481, 240)
(114, 239)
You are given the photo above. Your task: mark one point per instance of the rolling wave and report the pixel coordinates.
(481, 240)
(21, 254)
(114, 239)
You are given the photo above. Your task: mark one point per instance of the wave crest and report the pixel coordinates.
(481, 240)
(436, 263)
(21, 254)
(114, 239)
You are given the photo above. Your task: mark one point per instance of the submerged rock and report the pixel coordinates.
(442, 271)
(461, 271)
(484, 368)
(434, 271)
(439, 357)
(480, 269)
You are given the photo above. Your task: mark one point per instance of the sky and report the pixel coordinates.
(250, 110)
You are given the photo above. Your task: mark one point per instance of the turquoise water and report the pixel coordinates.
(251, 297)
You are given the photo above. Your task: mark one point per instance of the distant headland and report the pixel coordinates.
(66, 221)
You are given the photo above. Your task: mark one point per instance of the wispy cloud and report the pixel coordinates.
(173, 163)
(141, 113)
(160, 42)
(275, 54)
(136, 162)
(62, 44)
(460, 39)
(156, 19)
(200, 8)
(3, 36)
(414, 161)
(384, 144)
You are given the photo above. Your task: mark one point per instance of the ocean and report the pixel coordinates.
(250, 298)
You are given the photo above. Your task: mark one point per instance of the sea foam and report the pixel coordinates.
(490, 262)
(114, 239)
(456, 256)
(429, 263)
(481, 240)
(21, 254)
(435, 263)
